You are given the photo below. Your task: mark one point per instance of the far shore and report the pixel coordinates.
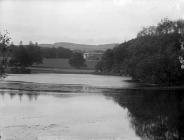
(148, 85)
(78, 88)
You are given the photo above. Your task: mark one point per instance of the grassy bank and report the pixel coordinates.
(56, 65)
(61, 63)
(59, 70)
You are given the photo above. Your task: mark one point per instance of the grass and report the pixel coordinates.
(55, 63)
(58, 65)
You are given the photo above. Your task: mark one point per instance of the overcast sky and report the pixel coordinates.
(83, 21)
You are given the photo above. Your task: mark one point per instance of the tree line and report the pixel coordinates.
(20, 57)
(23, 56)
(152, 57)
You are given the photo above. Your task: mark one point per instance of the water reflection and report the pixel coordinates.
(19, 93)
(154, 115)
(63, 115)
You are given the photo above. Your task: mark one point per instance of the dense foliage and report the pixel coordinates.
(77, 60)
(20, 57)
(151, 57)
(23, 56)
(4, 51)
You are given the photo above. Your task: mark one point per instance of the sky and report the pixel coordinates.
(83, 21)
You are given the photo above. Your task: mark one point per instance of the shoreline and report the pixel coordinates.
(65, 88)
(138, 85)
(55, 70)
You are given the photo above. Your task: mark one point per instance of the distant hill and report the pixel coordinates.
(84, 47)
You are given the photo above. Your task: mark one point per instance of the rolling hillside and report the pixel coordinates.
(83, 47)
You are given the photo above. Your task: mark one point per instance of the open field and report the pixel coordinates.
(57, 65)
(63, 63)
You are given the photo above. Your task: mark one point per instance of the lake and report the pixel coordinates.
(87, 107)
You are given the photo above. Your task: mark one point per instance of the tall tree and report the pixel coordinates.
(4, 45)
(77, 60)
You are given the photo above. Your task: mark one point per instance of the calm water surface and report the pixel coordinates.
(113, 115)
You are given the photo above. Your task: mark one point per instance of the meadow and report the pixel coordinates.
(59, 65)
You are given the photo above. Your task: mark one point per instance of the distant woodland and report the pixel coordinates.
(19, 57)
(22, 56)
